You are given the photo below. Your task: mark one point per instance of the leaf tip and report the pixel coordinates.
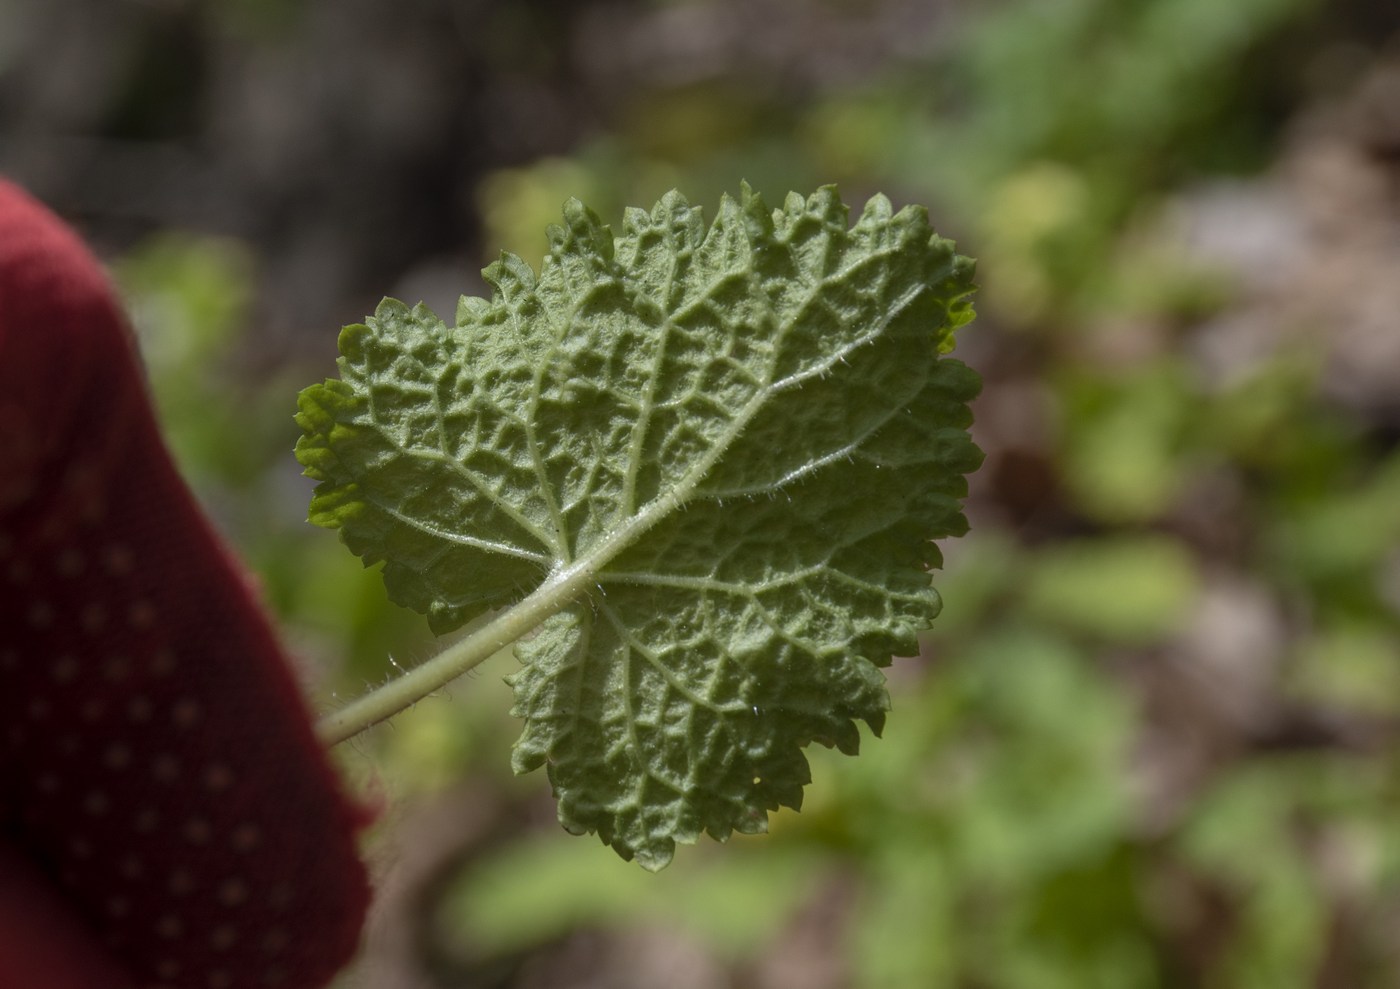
(509, 275)
(582, 229)
(654, 856)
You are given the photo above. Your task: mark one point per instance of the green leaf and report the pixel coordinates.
(704, 466)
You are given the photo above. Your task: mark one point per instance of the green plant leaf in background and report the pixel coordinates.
(701, 468)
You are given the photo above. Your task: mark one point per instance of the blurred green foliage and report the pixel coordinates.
(1074, 790)
(190, 300)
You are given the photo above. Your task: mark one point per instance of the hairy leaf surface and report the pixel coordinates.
(718, 456)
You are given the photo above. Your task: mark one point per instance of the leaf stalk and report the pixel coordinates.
(402, 692)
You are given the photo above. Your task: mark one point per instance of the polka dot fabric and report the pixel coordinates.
(167, 817)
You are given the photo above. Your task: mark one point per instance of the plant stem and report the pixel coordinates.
(557, 592)
(404, 691)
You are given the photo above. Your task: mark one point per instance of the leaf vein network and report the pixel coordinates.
(560, 540)
(634, 644)
(475, 542)
(473, 478)
(646, 410)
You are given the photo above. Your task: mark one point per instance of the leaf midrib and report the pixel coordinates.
(576, 577)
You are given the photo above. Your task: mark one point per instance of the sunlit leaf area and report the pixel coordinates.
(1153, 739)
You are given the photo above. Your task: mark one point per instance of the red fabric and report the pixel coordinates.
(167, 817)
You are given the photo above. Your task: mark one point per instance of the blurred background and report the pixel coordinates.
(1154, 740)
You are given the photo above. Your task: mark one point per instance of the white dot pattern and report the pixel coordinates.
(197, 831)
(154, 750)
(68, 674)
(245, 838)
(159, 833)
(121, 784)
(65, 669)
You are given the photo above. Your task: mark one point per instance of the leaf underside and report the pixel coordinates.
(746, 435)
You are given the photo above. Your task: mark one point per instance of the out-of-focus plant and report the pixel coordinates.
(1044, 822)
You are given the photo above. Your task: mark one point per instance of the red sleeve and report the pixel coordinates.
(158, 767)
